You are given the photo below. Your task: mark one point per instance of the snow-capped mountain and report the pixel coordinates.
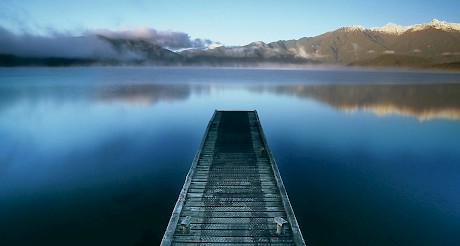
(392, 28)
(420, 45)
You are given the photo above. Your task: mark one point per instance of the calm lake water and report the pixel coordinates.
(97, 156)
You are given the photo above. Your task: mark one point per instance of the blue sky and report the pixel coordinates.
(231, 22)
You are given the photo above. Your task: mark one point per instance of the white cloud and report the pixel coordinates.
(167, 39)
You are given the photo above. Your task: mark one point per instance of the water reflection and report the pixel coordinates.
(147, 94)
(423, 101)
(98, 156)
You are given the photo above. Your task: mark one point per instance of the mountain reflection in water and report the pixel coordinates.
(146, 94)
(423, 101)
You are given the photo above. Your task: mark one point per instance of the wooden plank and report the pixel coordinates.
(229, 179)
(236, 199)
(254, 240)
(238, 182)
(235, 189)
(234, 209)
(252, 204)
(232, 232)
(229, 226)
(230, 196)
(235, 220)
(233, 214)
(234, 244)
(202, 185)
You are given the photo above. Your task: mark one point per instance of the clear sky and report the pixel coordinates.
(231, 22)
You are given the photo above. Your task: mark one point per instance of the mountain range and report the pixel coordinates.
(430, 45)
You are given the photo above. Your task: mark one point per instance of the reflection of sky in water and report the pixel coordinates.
(88, 153)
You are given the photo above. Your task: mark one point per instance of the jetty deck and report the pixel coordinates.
(233, 193)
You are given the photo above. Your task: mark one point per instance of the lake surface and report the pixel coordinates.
(97, 156)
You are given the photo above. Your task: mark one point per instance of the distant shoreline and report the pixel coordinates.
(7, 60)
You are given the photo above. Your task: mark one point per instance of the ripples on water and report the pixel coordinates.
(98, 155)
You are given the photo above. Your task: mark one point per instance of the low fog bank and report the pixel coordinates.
(91, 45)
(56, 45)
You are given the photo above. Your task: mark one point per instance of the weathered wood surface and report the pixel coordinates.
(233, 191)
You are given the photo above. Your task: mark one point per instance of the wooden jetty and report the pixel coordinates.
(233, 193)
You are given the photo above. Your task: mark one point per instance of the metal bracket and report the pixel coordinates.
(185, 225)
(280, 222)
